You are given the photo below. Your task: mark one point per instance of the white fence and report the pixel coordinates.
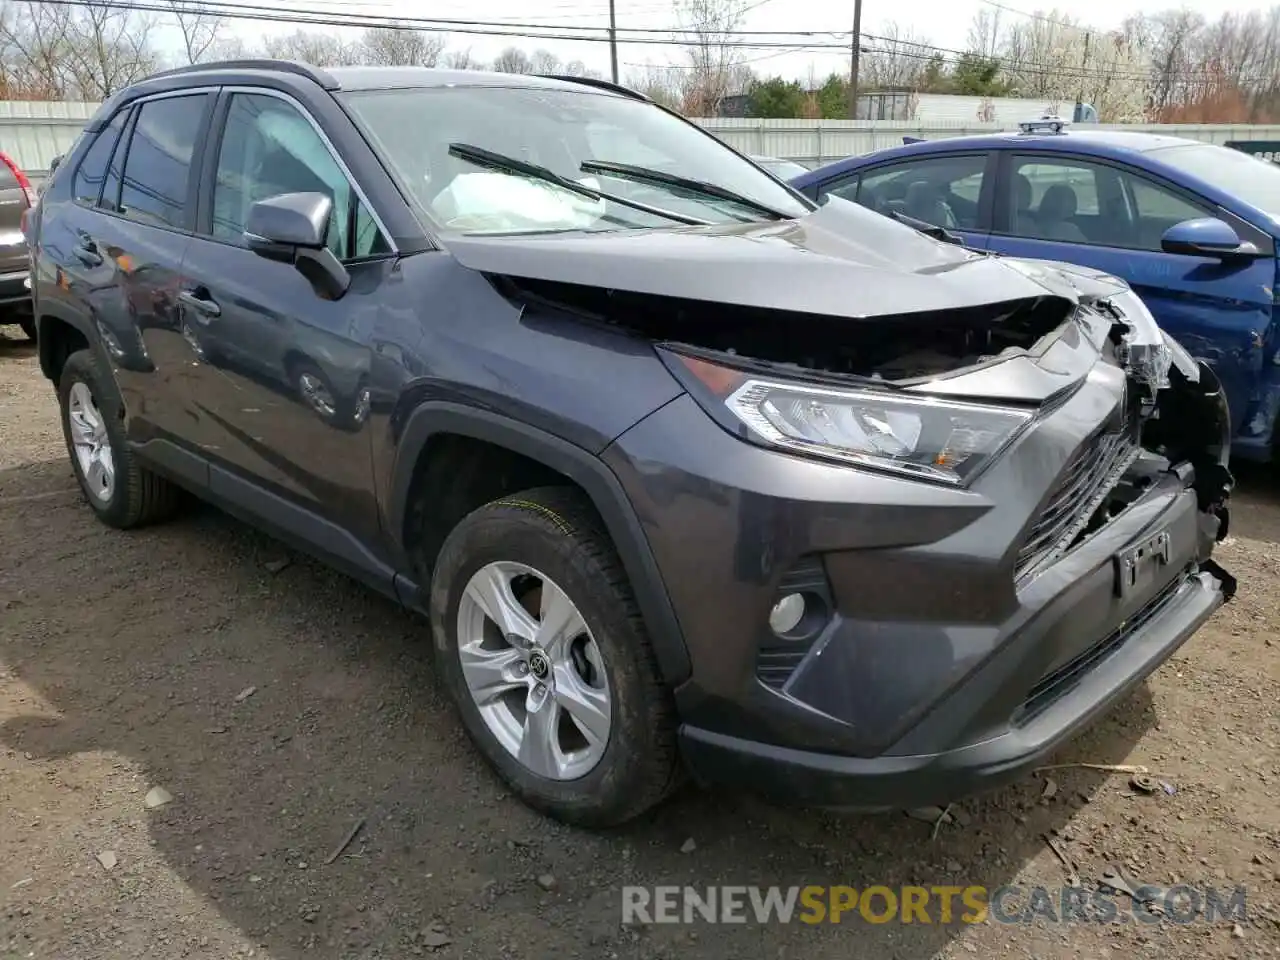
(812, 142)
(34, 133)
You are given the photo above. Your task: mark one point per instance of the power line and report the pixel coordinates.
(586, 34)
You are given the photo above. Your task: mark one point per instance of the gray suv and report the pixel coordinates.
(685, 473)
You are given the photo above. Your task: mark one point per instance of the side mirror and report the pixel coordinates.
(294, 228)
(53, 164)
(1205, 237)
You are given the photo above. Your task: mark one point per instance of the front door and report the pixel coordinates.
(283, 371)
(1111, 217)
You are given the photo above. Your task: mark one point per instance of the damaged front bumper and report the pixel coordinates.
(945, 655)
(1041, 688)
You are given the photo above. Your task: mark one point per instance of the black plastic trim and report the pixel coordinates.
(579, 465)
(270, 512)
(325, 79)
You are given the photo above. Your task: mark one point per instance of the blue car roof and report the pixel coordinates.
(1138, 149)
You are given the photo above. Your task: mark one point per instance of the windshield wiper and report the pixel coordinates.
(497, 161)
(927, 228)
(700, 187)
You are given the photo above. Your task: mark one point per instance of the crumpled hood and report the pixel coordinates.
(841, 260)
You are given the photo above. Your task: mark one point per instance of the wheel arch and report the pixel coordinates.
(441, 419)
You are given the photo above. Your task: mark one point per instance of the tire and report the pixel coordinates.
(136, 496)
(555, 532)
(28, 325)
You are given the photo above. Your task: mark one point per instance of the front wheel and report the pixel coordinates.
(546, 657)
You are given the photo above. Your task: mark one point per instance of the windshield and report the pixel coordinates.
(559, 130)
(1255, 181)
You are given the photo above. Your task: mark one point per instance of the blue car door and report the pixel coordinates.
(951, 190)
(1112, 216)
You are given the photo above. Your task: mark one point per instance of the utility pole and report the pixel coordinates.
(1084, 62)
(855, 47)
(613, 39)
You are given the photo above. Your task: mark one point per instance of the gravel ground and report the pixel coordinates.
(280, 705)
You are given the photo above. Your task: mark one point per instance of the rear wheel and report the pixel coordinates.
(545, 654)
(121, 491)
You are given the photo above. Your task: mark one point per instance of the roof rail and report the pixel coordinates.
(321, 77)
(598, 83)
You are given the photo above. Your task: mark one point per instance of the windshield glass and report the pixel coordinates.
(1255, 181)
(560, 130)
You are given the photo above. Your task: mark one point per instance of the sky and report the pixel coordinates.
(944, 23)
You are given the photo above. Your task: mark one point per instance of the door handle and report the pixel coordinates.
(200, 305)
(86, 251)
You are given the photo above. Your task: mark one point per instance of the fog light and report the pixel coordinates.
(787, 613)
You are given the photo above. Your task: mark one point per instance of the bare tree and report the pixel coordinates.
(709, 26)
(662, 84)
(313, 47)
(513, 60)
(461, 60)
(73, 52)
(111, 46)
(899, 60)
(35, 50)
(201, 31)
(544, 61)
(401, 47)
(985, 33)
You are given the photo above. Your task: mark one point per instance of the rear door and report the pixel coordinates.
(1111, 216)
(279, 371)
(118, 243)
(951, 190)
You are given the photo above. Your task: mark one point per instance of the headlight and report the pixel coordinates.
(923, 437)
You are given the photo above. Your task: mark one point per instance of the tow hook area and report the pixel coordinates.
(1227, 581)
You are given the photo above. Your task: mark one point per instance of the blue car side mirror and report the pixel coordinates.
(1205, 237)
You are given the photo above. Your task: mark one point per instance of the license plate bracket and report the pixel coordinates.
(1137, 565)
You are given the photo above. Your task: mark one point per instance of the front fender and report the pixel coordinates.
(583, 468)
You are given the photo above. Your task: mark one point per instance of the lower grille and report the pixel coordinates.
(1088, 478)
(1061, 681)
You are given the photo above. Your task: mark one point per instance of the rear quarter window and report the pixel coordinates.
(86, 186)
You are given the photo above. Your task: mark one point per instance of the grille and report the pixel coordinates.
(1087, 479)
(1064, 679)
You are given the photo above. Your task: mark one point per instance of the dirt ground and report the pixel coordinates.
(127, 661)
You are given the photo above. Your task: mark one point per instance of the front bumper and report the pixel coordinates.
(938, 672)
(915, 780)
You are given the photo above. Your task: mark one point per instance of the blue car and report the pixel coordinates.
(1191, 226)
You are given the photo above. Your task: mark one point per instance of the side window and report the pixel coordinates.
(115, 174)
(846, 188)
(86, 185)
(1075, 201)
(157, 167)
(943, 191)
(269, 148)
(1049, 199)
(1156, 210)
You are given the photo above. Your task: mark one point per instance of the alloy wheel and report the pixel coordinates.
(91, 444)
(533, 670)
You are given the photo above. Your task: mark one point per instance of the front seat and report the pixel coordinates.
(1057, 207)
(1024, 224)
(924, 203)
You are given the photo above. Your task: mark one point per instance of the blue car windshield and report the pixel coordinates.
(1251, 179)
